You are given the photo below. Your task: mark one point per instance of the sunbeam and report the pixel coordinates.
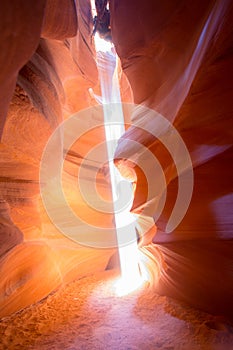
(122, 190)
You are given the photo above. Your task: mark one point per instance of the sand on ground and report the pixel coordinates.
(87, 314)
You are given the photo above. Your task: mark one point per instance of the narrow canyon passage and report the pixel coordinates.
(58, 242)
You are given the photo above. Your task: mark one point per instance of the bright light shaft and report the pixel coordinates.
(122, 190)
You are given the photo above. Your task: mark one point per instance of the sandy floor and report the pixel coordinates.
(86, 314)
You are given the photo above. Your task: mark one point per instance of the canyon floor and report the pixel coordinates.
(87, 314)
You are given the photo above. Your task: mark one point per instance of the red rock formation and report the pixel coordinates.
(20, 32)
(177, 56)
(178, 63)
(52, 84)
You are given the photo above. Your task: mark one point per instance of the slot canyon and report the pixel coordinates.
(171, 63)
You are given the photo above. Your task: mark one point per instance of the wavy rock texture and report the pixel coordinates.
(178, 63)
(177, 56)
(51, 85)
(10, 235)
(20, 32)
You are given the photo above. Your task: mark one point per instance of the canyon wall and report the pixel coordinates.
(177, 57)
